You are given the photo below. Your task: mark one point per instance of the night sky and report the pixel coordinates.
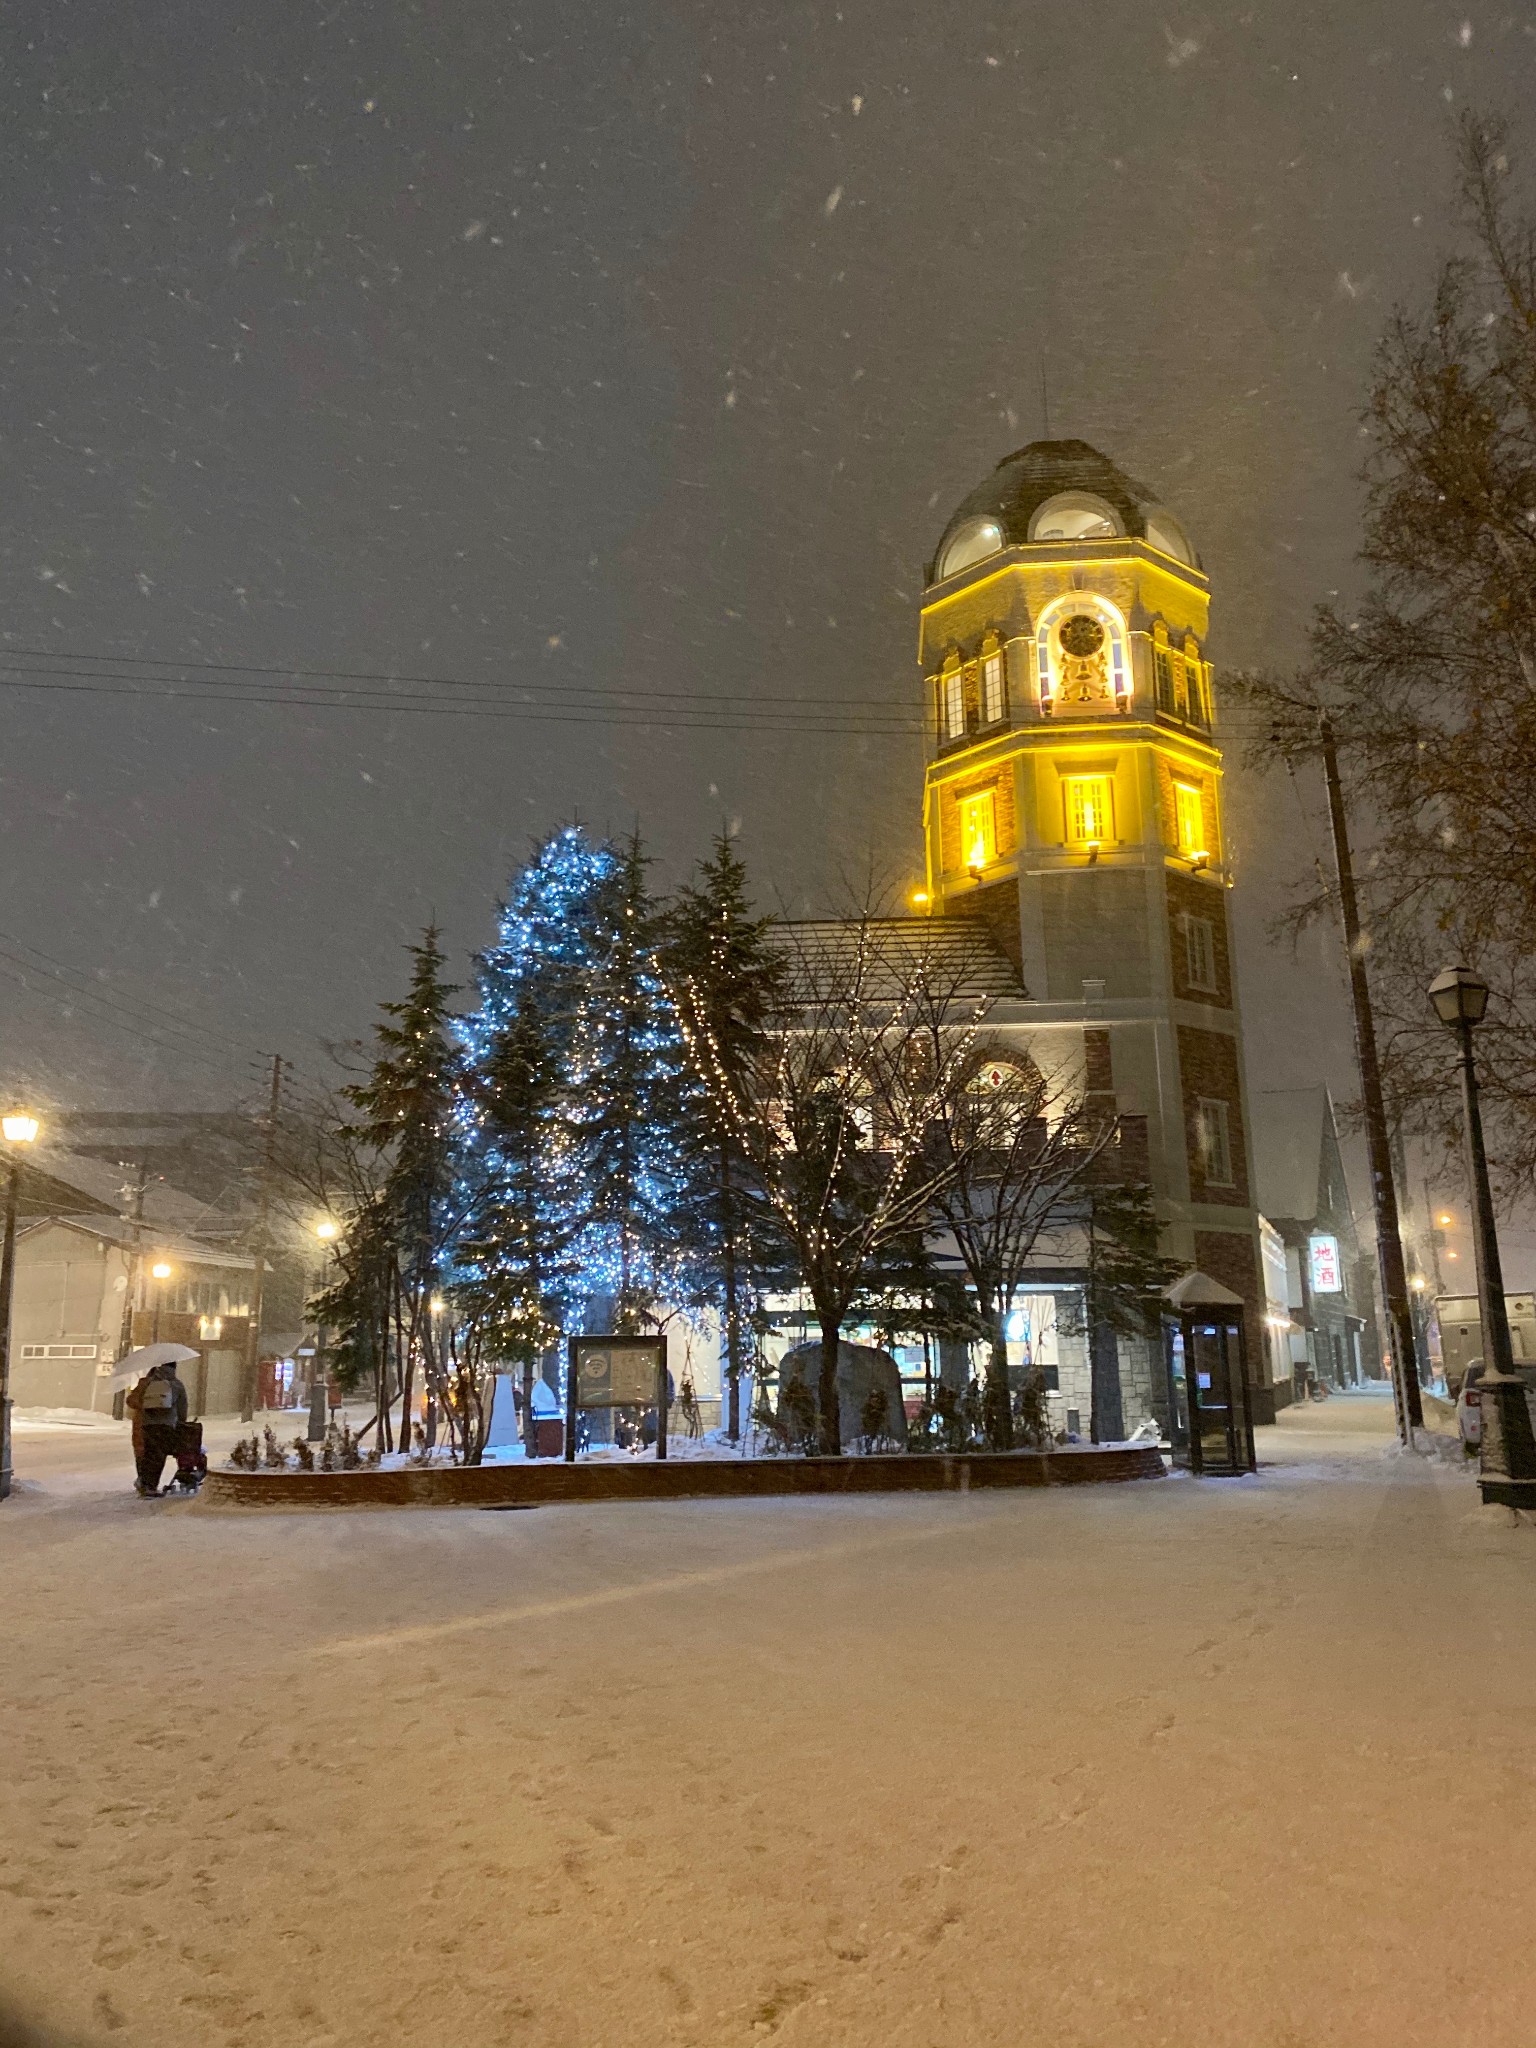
(555, 349)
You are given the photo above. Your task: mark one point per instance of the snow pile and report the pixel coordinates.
(30, 1419)
(1435, 1445)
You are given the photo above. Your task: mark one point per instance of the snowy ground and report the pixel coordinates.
(1184, 1762)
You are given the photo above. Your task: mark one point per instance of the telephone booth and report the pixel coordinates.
(1210, 1423)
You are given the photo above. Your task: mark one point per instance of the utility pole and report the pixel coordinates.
(135, 1221)
(253, 1337)
(1389, 1242)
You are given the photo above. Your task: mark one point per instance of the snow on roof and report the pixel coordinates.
(957, 956)
(186, 1251)
(1198, 1290)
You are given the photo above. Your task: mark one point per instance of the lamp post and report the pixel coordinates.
(1507, 1467)
(327, 1230)
(159, 1272)
(20, 1129)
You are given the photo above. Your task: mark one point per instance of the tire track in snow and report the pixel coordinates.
(611, 1596)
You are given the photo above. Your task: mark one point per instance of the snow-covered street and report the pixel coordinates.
(1193, 1762)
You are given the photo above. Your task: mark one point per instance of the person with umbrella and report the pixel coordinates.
(158, 1404)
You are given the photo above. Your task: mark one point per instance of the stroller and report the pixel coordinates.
(191, 1458)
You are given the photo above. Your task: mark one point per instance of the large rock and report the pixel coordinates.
(859, 1367)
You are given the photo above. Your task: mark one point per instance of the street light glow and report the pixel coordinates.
(160, 1270)
(20, 1128)
(327, 1230)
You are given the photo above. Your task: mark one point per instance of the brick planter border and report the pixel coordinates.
(550, 1484)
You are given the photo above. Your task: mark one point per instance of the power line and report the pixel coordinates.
(389, 676)
(816, 725)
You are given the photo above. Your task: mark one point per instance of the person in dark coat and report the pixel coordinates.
(162, 1408)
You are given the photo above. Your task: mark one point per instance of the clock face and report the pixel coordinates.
(1082, 635)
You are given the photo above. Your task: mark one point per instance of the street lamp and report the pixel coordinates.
(327, 1230)
(159, 1272)
(1507, 1467)
(20, 1129)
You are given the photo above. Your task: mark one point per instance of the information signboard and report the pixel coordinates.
(616, 1372)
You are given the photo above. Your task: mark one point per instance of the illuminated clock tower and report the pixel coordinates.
(1073, 801)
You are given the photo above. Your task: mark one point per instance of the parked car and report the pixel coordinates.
(1469, 1402)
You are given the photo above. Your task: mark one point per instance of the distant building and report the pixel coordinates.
(1304, 1199)
(84, 1296)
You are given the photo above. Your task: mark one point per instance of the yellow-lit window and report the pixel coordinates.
(952, 695)
(978, 829)
(992, 687)
(1194, 689)
(1089, 819)
(1189, 819)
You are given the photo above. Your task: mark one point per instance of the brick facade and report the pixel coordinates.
(1208, 1068)
(1190, 897)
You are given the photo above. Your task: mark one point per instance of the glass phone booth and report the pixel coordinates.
(1210, 1425)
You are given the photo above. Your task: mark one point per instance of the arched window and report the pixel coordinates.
(1082, 657)
(1075, 515)
(1165, 534)
(969, 544)
(1006, 1093)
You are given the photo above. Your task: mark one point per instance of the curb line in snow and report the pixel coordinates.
(549, 1484)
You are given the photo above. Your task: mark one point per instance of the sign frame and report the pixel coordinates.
(638, 1351)
(1325, 1257)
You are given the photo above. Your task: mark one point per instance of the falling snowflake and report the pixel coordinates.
(1180, 48)
(830, 203)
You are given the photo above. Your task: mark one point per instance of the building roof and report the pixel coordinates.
(1288, 1128)
(956, 956)
(1023, 481)
(180, 1250)
(39, 1193)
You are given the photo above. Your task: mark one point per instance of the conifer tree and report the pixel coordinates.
(407, 1104)
(635, 1108)
(516, 1267)
(510, 1258)
(722, 969)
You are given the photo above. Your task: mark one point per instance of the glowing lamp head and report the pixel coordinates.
(437, 1304)
(920, 898)
(327, 1230)
(19, 1127)
(160, 1270)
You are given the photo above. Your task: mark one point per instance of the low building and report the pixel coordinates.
(85, 1294)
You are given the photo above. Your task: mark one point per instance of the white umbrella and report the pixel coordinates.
(145, 1359)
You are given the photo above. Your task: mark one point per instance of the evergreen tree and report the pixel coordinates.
(725, 978)
(516, 1268)
(635, 1109)
(407, 1102)
(510, 1259)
